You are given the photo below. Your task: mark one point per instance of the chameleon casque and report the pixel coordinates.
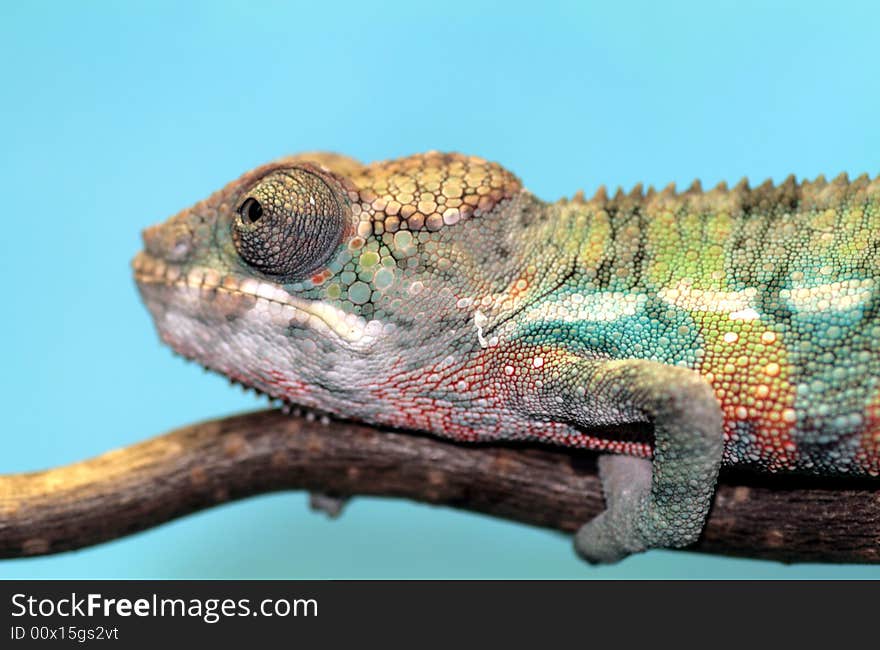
(435, 293)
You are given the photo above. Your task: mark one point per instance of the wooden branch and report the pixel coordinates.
(140, 486)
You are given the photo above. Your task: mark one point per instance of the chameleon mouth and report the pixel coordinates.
(272, 300)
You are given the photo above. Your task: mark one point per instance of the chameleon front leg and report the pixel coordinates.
(657, 503)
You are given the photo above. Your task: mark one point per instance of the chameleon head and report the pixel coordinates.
(319, 280)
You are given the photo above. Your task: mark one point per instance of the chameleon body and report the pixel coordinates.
(435, 293)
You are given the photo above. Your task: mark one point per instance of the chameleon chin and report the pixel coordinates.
(434, 293)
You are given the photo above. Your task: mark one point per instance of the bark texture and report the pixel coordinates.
(198, 466)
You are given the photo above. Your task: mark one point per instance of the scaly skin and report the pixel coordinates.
(434, 293)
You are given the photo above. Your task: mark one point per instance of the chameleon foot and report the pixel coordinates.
(614, 534)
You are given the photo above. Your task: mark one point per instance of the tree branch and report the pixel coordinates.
(198, 466)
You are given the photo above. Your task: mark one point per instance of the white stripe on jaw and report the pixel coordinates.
(272, 300)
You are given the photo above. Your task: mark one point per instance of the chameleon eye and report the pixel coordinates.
(250, 210)
(289, 224)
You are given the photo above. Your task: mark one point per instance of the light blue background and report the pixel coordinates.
(116, 115)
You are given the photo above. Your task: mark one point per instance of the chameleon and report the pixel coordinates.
(434, 293)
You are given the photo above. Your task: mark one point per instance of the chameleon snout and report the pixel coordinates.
(171, 242)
